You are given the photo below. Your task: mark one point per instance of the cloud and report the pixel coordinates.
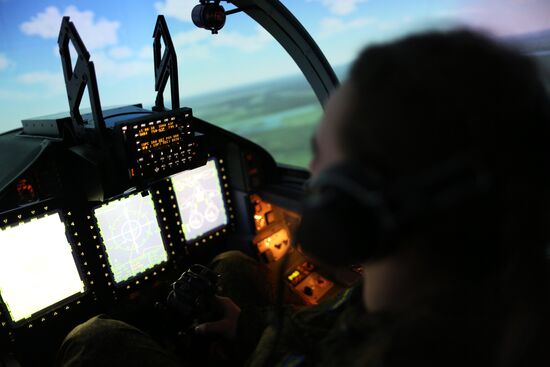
(179, 9)
(95, 33)
(331, 26)
(505, 17)
(4, 62)
(16, 95)
(197, 43)
(194, 52)
(191, 37)
(239, 41)
(53, 82)
(463, 12)
(45, 24)
(107, 67)
(108, 70)
(146, 53)
(120, 52)
(340, 7)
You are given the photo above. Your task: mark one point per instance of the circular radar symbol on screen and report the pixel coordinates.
(130, 233)
(196, 220)
(131, 230)
(212, 213)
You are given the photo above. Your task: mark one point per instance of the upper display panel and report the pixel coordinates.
(200, 200)
(159, 144)
(131, 236)
(37, 267)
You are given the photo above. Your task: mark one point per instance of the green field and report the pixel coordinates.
(279, 115)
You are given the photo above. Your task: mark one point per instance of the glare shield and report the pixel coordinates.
(131, 236)
(200, 200)
(37, 267)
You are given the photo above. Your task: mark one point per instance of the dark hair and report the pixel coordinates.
(424, 99)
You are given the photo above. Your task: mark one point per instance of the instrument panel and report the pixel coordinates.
(65, 257)
(44, 262)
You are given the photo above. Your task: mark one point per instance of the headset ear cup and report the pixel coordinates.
(336, 229)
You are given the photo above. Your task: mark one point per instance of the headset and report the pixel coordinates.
(352, 213)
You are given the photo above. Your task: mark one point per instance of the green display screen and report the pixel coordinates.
(131, 236)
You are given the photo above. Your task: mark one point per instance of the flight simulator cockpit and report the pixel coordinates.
(101, 210)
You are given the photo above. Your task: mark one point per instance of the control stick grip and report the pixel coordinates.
(193, 295)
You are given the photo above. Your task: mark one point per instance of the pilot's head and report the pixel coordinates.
(409, 104)
(435, 150)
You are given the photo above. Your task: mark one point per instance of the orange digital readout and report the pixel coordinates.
(160, 142)
(156, 129)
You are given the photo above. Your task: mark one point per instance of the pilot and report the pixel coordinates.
(431, 169)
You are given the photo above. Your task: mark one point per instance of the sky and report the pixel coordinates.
(118, 35)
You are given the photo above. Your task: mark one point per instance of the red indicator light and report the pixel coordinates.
(25, 190)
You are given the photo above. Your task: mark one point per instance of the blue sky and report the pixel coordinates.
(118, 35)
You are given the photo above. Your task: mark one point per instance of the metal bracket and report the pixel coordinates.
(165, 67)
(78, 79)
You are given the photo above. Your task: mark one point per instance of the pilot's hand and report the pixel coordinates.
(227, 326)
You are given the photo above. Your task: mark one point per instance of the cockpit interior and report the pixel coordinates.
(102, 208)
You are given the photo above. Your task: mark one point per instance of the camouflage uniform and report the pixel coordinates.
(262, 339)
(290, 336)
(105, 342)
(306, 337)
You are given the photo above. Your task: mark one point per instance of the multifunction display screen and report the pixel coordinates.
(200, 200)
(37, 267)
(131, 236)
